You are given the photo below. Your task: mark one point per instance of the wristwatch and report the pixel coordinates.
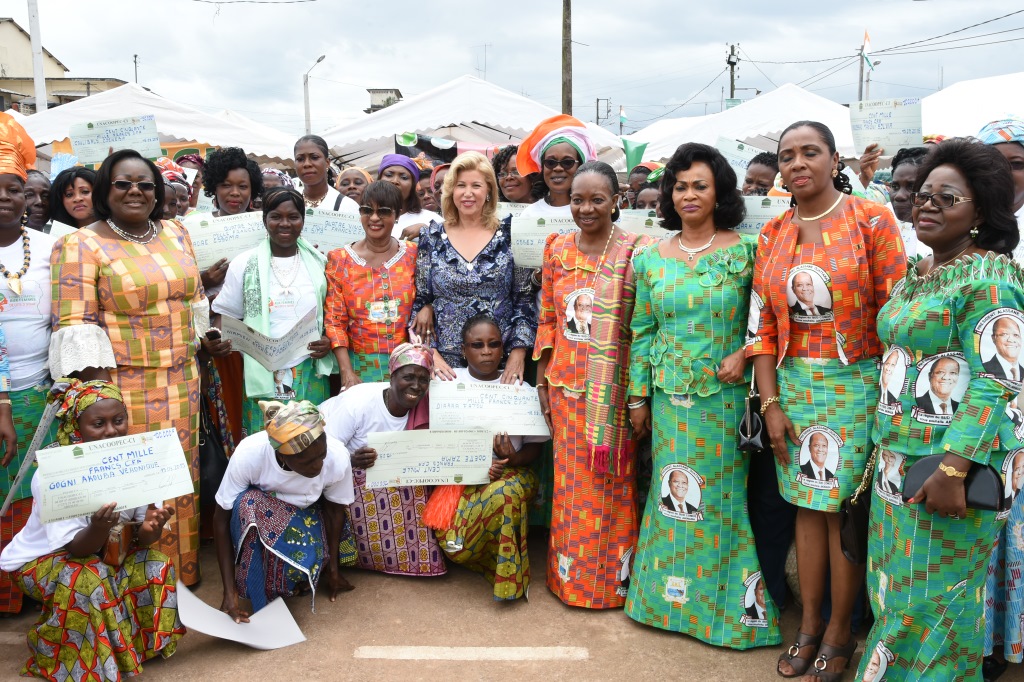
(951, 471)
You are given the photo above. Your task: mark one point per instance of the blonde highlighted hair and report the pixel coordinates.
(470, 161)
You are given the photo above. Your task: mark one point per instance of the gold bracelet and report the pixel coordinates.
(5, 401)
(952, 471)
(541, 386)
(767, 403)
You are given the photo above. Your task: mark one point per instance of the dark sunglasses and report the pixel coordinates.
(939, 200)
(566, 164)
(381, 211)
(125, 185)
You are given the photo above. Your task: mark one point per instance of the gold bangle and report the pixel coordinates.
(5, 401)
(952, 471)
(767, 403)
(541, 386)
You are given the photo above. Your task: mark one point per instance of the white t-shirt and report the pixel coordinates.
(462, 374)
(1018, 253)
(407, 219)
(542, 209)
(254, 464)
(288, 303)
(38, 539)
(25, 318)
(348, 204)
(359, 411)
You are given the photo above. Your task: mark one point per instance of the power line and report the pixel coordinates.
(252, 2)
(710, 83)
(959, 30)
(826, 72)
(955, 47)
(756, 66)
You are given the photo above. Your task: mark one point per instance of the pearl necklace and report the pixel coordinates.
(821, 215)
(694, 252)
(128, 236)
(292, 272)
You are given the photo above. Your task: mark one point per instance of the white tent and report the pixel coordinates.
(466, 109)
(758, 121)
(964, 107)
(175, 122)
(236, 118)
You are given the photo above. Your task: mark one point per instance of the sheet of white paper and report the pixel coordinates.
(429, 458)
(190, 174)
(133, 471)
(59, 229)
(738, 154)
(892, 123)
(93, 140)
(204, 204)
(329, 230)
(507, 408)
(509, 208)
(529, 235)
(272, 627)
(759, 211)
(223, 237)
(642, 222)
(272, 353)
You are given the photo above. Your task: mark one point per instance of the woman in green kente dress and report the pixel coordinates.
(954, 329)
(696, 569)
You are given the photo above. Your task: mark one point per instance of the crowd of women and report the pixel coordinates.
(879, 329)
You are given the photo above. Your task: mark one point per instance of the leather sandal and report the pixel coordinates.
(792, 656)
(826, 653)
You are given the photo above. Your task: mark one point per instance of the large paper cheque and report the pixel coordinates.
(272, 353)
(93, 140)
(529, 235)
(133, 471)
(329, 230)
(639, 221)
(892, 123)
(759, 211)
(505, 408)
(430, 458)
(223, 237)
(739, 155)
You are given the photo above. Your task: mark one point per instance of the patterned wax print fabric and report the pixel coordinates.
(371, 367)
(1004, 587)
(279, 547)
(489, 531)
(594, 521)
(28, 406)
(142, 295)
(952, 338)
(369, 310)
(459, 289)
(696, 569)
(813, 308)
(301, 382)
(100, 622)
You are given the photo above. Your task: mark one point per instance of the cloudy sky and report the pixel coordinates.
(650, 56)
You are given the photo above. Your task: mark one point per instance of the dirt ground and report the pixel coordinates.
(455, 610)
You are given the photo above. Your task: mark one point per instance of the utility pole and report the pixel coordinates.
(136, 60)
(860, 78)
(597, 109)
(37, 55)
(485, 46)
(567, 57)
(732, 60)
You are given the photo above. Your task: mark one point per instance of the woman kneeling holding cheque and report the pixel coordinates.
(99, 620)
(268, 516)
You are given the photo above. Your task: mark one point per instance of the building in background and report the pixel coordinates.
(381, 98)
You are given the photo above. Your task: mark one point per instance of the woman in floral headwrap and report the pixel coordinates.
(390, 534)
(103, 616)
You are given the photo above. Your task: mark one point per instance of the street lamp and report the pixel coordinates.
(305, 90)
(867, 90)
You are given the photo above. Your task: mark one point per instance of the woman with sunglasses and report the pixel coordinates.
(556, 148)
(465, 267)
(128, 307)
(271, 288)
(371, 285)
(955, 319)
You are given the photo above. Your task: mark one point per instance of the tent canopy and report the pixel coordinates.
(758, 121)
(175, 122)
(964, 107)
(466, 109)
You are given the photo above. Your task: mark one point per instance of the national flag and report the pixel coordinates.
(866, 49)
(622, 115)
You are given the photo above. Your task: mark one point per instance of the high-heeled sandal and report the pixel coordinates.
(826, 653)
(792, 655)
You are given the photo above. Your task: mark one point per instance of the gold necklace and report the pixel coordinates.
(313, 203)
(593, 276)
(14, 278)
(821, 215)
(935, 268)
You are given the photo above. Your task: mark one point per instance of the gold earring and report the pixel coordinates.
(974, 232)
(835, 172)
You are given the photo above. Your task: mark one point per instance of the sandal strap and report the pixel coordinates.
(827, 652)
(803, 640)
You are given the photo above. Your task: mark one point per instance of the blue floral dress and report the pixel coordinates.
(459, 289)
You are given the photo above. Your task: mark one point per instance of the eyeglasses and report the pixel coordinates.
(566, 164)
(939, 200)
(381, 211)
(515, 174)
(125, 185)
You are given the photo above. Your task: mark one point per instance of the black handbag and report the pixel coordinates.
(983, 485)
(854, 512)
(751, 429)
(213, 461)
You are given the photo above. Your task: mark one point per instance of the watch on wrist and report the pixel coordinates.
(952, 472)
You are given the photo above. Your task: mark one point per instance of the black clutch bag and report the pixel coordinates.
(854, 514)
(751, 428)
(983, 485)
